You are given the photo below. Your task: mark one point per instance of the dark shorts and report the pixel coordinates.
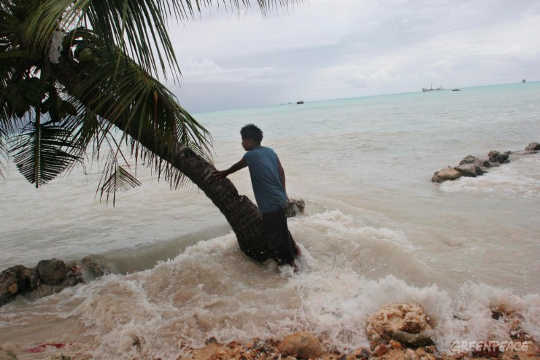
(282, 247)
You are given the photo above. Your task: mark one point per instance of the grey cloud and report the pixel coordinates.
(329, 49)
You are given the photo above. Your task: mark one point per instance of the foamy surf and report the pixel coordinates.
(377, 231)
(348, 271)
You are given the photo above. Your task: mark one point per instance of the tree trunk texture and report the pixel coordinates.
(243, 216)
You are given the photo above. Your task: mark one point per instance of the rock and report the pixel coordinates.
(469, 159)
(47, 278)
(52, 272)
(470, 170)
(406, 323)
(410, 355)
(532, 147)
(295, 207)
(424, 355)
(395, 345)
(445, 174)
(361, 353)
(493, 154)
(482, 163)
(380, 350)
(92, 267)
(497, 157)
(16, 280)
(44, 290)
(302, 345)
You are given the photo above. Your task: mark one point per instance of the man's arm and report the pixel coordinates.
(221, 174)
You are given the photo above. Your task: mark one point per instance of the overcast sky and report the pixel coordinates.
(326, 49)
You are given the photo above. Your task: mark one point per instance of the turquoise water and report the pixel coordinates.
(376, 229)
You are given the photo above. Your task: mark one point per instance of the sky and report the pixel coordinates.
(328, 49)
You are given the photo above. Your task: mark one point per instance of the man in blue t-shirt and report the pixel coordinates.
(268, 180)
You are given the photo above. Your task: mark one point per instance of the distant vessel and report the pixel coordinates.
(300, 102)
(456, 89)
(432, 89)
(524, 81)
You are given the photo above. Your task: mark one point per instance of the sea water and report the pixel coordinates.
(376, 231)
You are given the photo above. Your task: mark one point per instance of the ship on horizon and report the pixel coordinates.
(432, 89)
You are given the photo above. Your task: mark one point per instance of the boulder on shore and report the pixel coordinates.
(301, 345)
(295, 207)
(498, 157)
(445, 174)
(405, 323)
(92, 267)
(48, 277)
(470, 159)
(470, 170)
(473, 166)
(15, 280)
(532, 147)
(52, 272)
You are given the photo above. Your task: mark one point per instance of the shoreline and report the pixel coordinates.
(395, 332)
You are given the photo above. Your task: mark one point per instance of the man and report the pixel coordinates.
(268, 181)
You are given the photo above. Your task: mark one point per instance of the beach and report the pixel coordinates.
(375, 231)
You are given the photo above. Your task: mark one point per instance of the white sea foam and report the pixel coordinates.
(211, 289)
(376, 231)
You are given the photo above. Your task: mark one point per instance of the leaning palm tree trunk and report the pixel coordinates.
(240, 212)
(129, 98)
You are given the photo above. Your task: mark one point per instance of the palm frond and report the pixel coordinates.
(40, 152)
(116, 178)
(138, 27)
(3, 150)
(113, 86)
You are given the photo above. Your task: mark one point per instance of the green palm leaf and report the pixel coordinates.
(138, 27)
(107, 82)
(117, 178)
(40, 152)
(3, 150)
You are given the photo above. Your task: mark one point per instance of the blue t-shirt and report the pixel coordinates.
(264, 171)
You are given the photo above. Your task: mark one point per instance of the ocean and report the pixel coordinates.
(376, 231)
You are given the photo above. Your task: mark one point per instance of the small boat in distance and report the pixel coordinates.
(299, 102)
(523, 81)
(432, 89)
(456, 89)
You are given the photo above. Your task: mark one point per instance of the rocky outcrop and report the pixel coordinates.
(407, 324)
(52, 272)
(470, 170)
(395, 332)
(295, 207)
(532, 147)
(498, 157)
(48, 277)
(472, 166)
(445, 174)
(470, 159)
(404, 317)
(301, 345)
(15, 280)
(384, 329)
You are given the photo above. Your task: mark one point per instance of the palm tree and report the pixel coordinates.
(74, 72)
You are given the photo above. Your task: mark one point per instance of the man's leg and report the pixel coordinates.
(280, 241)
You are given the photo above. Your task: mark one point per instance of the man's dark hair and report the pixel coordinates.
(251, 131)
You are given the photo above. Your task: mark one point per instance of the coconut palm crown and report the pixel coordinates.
(71, 71)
